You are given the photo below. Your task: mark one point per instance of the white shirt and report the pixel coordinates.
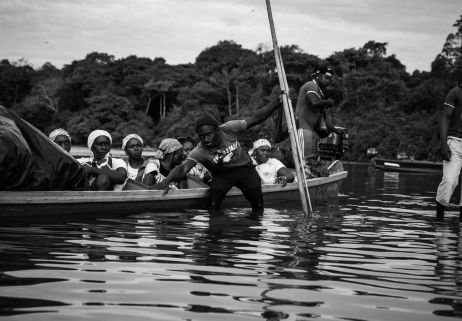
(116, 163)
(132, 172)
(268, 171)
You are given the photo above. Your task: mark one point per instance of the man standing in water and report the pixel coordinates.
(450, 127)
(230, 165)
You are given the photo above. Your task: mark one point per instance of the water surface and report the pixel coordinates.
(376, 255)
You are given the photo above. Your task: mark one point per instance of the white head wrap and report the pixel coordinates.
(128, 137)
(59, 132)
(259, 143)
(167, 146)
(95, 134)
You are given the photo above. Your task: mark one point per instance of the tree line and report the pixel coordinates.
(381, 104)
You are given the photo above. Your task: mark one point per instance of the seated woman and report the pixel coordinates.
(271, 170)
(168, 155)
(138, 169)
(61, 138)
(199, 170)
(104, 172)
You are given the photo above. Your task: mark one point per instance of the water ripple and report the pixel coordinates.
(376, 255)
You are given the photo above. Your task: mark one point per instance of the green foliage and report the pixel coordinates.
(375, 49)
(15, 82)
(112, 113)
(381, 104)
(36, 113)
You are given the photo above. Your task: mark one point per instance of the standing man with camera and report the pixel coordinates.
(313, 123)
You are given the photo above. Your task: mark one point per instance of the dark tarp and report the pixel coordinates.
(281, 131)
(30, 161)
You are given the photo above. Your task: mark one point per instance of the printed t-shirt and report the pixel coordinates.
(229, 153)
(198, 171)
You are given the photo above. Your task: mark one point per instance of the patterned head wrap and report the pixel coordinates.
(259, 143)
(59, 132)
(128, 137)
(167, 146)
(95, 134)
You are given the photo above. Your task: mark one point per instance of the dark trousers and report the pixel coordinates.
(244, 178)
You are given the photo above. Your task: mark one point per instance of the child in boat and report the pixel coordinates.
(271, 170)
(103, 171)
(138, 168)
(199, 170)
(61, 138)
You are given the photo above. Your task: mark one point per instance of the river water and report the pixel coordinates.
(375, 255)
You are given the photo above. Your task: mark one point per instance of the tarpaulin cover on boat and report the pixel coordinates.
(281, 132)
(30, 161)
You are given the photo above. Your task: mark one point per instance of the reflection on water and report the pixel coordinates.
(376, 255)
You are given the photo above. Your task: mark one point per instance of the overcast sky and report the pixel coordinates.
(60, 31)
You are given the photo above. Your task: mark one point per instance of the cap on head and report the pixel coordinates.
(206, 119)
(322, 70)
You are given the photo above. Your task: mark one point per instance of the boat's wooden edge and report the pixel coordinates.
(407, 161)
(56, 197)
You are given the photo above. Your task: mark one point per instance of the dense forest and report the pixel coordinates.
(381, 104)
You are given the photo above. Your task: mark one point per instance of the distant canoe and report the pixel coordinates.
(36, 203)
(407, 165)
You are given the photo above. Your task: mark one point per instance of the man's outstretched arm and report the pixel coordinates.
(177, 174)
(263, 113)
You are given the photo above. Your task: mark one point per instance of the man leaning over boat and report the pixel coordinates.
(221, 153)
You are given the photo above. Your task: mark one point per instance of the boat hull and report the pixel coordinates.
(34, 203)
(393, 165)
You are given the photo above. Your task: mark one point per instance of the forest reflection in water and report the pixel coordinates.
(376, 255)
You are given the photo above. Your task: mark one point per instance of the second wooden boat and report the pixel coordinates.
(408, 165)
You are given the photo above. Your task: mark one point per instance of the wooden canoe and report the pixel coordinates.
(35, 203)
(407, 165)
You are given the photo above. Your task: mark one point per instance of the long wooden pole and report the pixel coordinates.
(301, 162)
(290, 119)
